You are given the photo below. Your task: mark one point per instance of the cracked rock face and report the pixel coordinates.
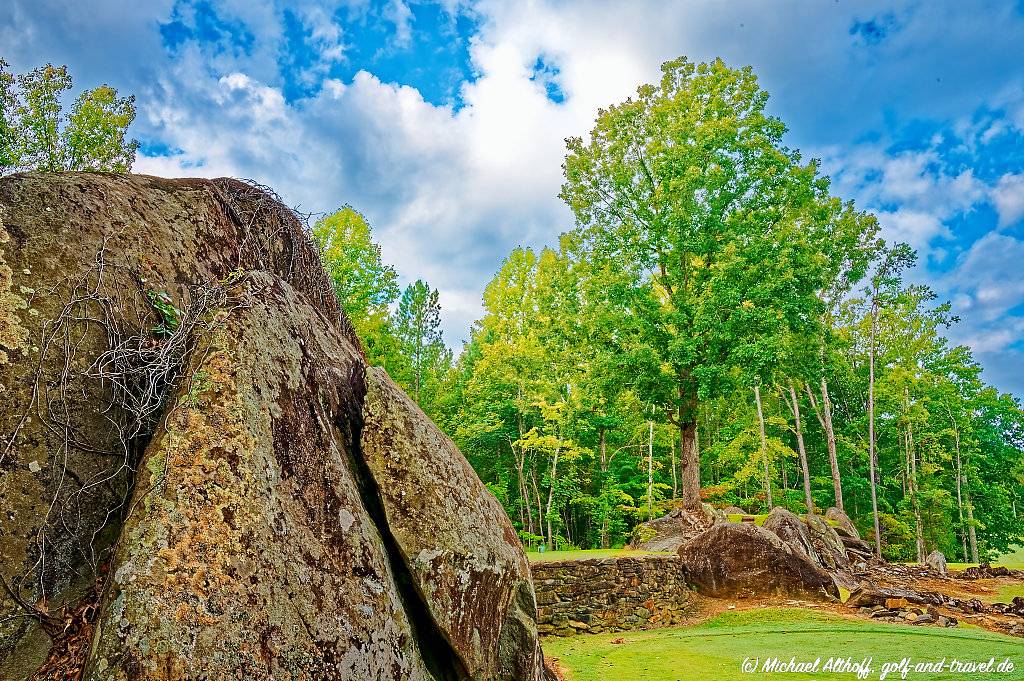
(291, 514)
(466, 578)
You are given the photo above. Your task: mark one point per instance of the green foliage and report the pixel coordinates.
(169, 315)
(36, 133)
(407, 341)
(365, 286)
(418, 330)
(709, 258)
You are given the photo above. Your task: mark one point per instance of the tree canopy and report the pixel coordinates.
(37, 134)
(720, 327)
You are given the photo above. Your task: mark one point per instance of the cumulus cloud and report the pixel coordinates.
(914, 193)
(451, 188)
(1008, 196)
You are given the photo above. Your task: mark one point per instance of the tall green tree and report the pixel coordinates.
(689, 189)
(883, 289)
(418, 329)
(365, 285)
(37, 134)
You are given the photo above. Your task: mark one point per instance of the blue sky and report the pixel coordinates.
(444, 122)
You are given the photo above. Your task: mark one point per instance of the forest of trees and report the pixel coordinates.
(718, 327)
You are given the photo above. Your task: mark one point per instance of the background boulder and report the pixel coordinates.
(844, 526)
(742, 559)
(674, 529)
(936, 560)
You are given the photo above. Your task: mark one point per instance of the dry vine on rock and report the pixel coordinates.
(147, 341)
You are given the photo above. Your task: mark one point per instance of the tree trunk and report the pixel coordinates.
(962, 530)
(675, 482)
(795, 408)
(524, 493)
(650, 470)
(872, 461)
(551, 494)
(825, 419)
(689, 454)
(690, 461)
(972, 537)
(915, 502)
(764, 448)
(603, 449)
(540, 508)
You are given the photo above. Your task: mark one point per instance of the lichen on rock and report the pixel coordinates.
(12, 333)
(287, 513)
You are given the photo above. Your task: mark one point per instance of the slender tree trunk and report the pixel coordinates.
(540, 508)
(675, 483)
(872, 461)
(603, 448)
(824, 415)
(915, 502)
(962, 530)
(551, 492)
(795, 408)
(972, 536)
(764, 448)
(524, 494)
(650, 470)
(690, 461)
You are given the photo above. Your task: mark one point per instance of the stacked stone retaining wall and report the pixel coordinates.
(610, 594)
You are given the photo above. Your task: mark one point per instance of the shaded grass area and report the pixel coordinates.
(717, 648)
(1014, 559)
(1007, 594)
(738, 518)
(550, 556)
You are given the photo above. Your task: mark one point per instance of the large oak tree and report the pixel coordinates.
(723, 231)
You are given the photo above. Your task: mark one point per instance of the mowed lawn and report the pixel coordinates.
(716, 649)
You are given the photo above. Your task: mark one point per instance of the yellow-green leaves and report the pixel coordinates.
(36, 133)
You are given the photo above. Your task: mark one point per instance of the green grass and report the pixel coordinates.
(717, 648)
(551, 556)
(1014, 559)
(738, 518)
(1007, 593)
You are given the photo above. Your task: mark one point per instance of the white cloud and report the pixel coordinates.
(1008, 197)
(450, 191)
(400, 15)
(913, 193)
(986, 286)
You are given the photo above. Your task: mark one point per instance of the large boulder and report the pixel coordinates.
(811, 536)
(189, 429)
(674, 529)
(742, 559)
(791, 529)
(468, 580)
(844, 526)
(827, 544)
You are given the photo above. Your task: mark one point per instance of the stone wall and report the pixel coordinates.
(610, 594)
